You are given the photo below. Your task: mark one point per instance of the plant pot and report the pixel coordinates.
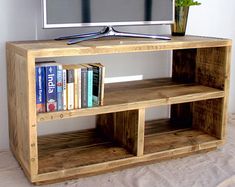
(181, 17)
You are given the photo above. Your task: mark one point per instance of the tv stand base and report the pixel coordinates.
(107, 32)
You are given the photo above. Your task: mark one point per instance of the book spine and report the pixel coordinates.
(84, 87)
(102, 86)
(75, 88)
(51, 95)
(59, 88)
(64, 89)
(79, 89)
(70, 89)
(40, 89)
(89, 87)
(96, 87)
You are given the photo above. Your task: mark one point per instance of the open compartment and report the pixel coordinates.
(64, 151)
(191, 127)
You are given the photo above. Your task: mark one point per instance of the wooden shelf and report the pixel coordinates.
(140, 94)
(71, 150)
(51, 48)
(197, 93)
(63, 152)
(163, 135)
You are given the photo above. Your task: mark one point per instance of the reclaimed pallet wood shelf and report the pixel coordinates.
(197, 93)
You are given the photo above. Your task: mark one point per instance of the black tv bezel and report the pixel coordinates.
(103, 24)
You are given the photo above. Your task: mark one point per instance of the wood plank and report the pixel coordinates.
(213, 69)
(178, 144)
(70, 150)
(49, 178)
(131, 98)
(170, 141)
(126, 128)
(51, 48)
(18, 108)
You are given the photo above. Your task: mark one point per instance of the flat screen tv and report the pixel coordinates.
(107, 13)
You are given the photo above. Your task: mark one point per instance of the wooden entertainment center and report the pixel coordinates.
(197, 93)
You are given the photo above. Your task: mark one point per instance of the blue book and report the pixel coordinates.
(51, 91)
(59, 88)
(40, 89)
(89, 86)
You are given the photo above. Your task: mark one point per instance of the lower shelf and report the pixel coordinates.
(163, 135)
(71, 150)
(77, 149)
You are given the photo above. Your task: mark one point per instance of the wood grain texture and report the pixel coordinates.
(51, 48)
(184, 65)
(125, 128)
(71, 150)
(86, 152)
(159, 143)
(140, 94)
(19, 131)
(213, 69)
(198, 93)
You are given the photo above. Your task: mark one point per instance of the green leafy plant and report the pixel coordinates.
(186, 3)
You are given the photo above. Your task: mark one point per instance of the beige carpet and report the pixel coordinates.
(216, 168)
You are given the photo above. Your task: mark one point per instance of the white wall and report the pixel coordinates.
(20, 20)
(216, 18)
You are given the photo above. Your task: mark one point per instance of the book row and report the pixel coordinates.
(67, 87)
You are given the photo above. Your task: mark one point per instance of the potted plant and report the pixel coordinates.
(181, 16)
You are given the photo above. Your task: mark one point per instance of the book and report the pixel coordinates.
(77, 85)
(84, 95)
(64, 89)
(51, 92)
(96, 84)
(89, 86)
(59, 88)
(40, 89)
(70, 88)
(101, 85)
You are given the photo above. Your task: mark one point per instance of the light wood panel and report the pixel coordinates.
(19, 131)
(71, 150)
(213, 69)
(198, 93)
(192, 138)
(51, 48)
(140, 94)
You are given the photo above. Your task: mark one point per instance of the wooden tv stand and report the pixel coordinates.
(197, 92)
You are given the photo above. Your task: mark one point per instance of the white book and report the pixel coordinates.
(79, 89)
(64, 89)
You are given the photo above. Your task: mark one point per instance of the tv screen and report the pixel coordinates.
(77, 13)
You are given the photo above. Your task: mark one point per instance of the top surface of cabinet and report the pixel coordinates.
(52, 48)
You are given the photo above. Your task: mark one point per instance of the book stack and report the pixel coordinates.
(68, 87)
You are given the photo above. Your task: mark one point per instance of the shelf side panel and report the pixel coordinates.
(17, 108)
(213, 70)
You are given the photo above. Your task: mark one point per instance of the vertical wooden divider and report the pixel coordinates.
(183, 70)
(125, 128)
